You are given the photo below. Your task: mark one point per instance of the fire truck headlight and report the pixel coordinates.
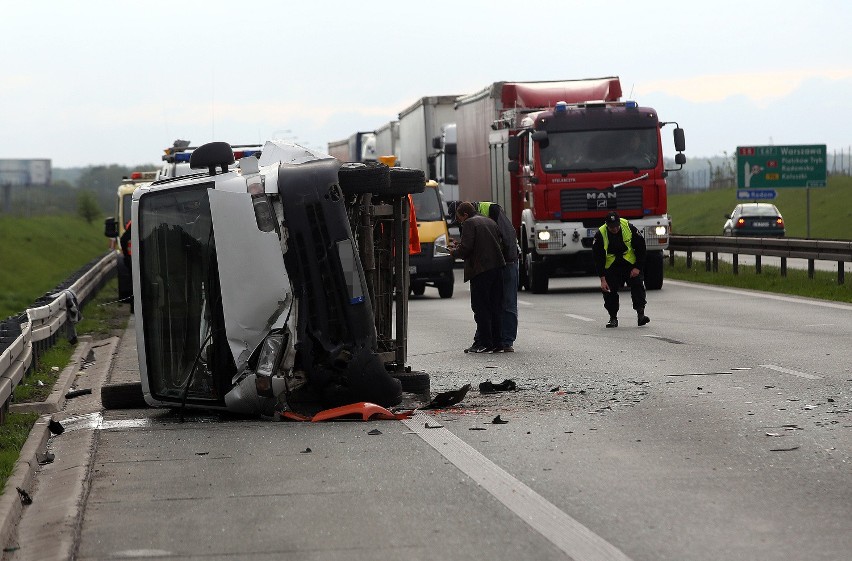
(544, 235)
(661, 231)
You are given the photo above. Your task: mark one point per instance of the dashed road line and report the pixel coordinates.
(581, 318)
(793, 372)
(577, 541)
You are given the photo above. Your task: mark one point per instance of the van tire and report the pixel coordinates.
(405, 180)
(654, 270)
(418, 288)
(413, 382)
(538, 276)
(445, 289)
(123, 396)
(358, 178)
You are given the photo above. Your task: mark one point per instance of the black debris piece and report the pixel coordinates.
(447, 399)
(26, 499)
(46, 458)
(201, 453)
(78, 393)
(556, 389)
(498, 421)
(305, 451)
(55, 427)
(375, 431)
(477, 428)
(489, 387)
(790, 449)
(435, 426)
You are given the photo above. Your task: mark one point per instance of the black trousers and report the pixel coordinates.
(486, 301)
(616, 277)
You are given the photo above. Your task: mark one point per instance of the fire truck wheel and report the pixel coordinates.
(538, 277)
(359, 178)
(654, 270)
(404, 181)
(123, 396)
(413, 382)
(445, 289)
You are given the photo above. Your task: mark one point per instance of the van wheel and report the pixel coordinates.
(418, 289)
(445, 289)
(405, 180)
(358, 178)
(413, 382)
(123, 396)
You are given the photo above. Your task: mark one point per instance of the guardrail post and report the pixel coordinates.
(688, 259)
(841, 272)
(757, 267)
(783, 266)
(715, 261)
(736, 263)
(707, 261)
(671, 258)
(810, 268)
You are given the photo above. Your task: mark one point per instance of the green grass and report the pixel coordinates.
(703, 214)
(36, 254)
(823, 286)
(13, 434)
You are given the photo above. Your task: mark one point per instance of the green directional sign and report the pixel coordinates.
(771, 167)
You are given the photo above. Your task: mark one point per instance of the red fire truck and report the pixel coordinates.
(558, 156)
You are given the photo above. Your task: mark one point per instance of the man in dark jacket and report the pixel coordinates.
(619, 255)
(480, 247)
(509, 243)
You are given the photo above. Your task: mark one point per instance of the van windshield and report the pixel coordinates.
(427, 205)
(183, 322)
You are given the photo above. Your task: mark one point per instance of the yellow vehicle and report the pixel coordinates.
(115, 226)
(431, 267)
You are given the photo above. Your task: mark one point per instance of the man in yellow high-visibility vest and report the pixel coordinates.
(619, 255)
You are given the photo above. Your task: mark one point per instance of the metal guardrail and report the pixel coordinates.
(785, 248)
(24, 338)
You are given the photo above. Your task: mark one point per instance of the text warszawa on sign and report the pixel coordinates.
(781, 166)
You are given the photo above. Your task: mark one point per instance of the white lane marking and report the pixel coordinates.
(766, 295)
(577, 541)
(820, 325)
(524, 303)
(581, 318)
(793, 372)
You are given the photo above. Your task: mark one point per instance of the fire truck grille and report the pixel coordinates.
(584, 200)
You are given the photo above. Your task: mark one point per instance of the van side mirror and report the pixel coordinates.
(680, 158)
(436, 142)
(514, 148)
(110, 227)
(513, 166)
(539, 136)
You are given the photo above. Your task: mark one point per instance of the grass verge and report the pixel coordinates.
(13, 434)
(823, 286)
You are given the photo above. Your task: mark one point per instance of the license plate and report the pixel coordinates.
(412, 269)
(590, 232)
(760, 224)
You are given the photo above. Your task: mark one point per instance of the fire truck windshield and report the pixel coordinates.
(599, 150)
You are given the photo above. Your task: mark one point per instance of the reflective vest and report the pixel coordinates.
(484, 208)
(627, 236)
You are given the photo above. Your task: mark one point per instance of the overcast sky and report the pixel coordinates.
(100, 82)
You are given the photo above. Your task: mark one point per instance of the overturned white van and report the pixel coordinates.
(250, 292)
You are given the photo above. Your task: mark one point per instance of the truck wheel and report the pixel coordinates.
(413, 382)
(418, 288)
(654, 270)
(538, 277)
(358, 178)
(405, 180)
(123, 396)
(445, 289)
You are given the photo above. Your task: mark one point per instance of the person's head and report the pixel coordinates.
(464, 211)
(613, 222)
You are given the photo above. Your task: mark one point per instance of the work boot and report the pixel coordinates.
(642, 319)
(613, 322)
